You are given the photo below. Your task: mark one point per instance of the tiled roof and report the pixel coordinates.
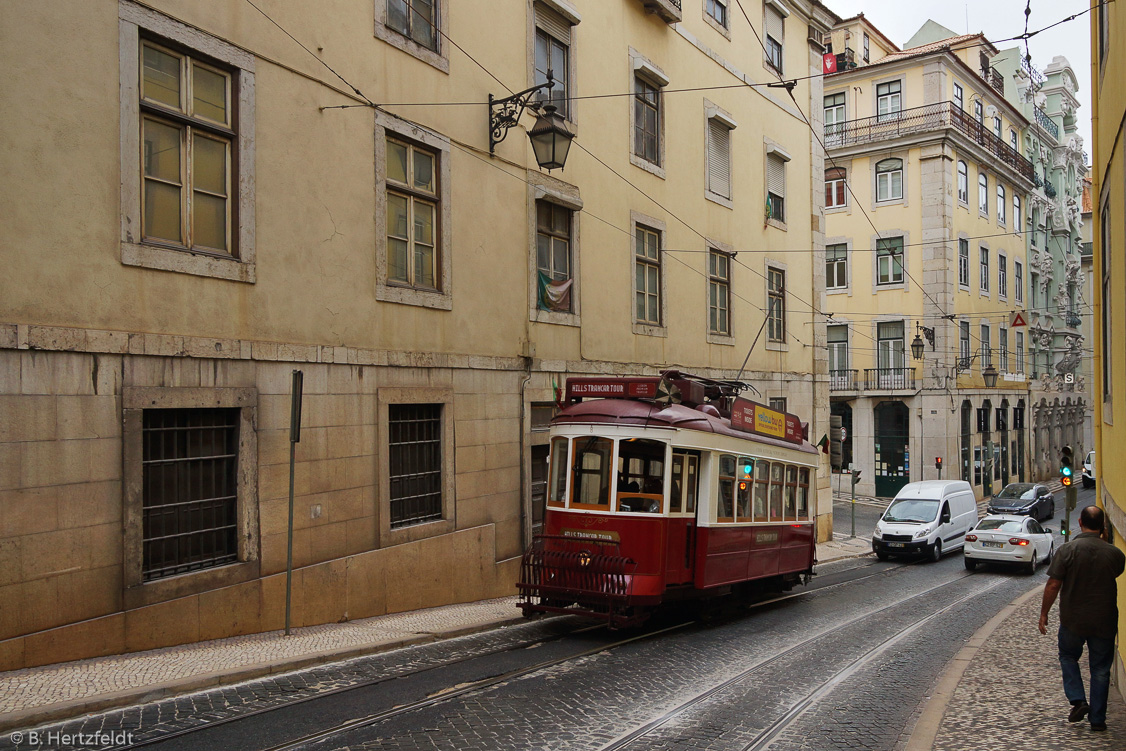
(950, 43)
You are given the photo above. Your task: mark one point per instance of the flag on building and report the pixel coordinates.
(823, 444)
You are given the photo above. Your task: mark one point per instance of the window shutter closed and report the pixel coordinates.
(775, 176)
(775, 25)
(553, 23)
(719, 158)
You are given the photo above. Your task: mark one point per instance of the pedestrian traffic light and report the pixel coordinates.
(938, 462)
(1066, 471)
(855, 476)
(1066, 481)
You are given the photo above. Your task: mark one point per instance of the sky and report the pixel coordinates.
(999, 19)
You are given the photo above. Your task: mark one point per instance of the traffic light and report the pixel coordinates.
(748, 466)
(1066, 470)
(938, 462)
(855, 476)
(836, 453)
(1066, 481)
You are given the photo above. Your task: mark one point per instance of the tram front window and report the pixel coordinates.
(557, 480)
(591, 465)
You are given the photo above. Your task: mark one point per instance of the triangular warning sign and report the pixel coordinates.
(1017, 320)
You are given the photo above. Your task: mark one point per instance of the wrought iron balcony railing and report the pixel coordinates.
(1047, 123)
(919, 120)
(994, 79)
(889, 379)
(842, 380)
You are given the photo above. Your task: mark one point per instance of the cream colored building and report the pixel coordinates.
(926, 193)
(202, 199)
(1108, 173)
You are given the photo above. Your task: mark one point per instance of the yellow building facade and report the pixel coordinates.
(205, 198)
(1108, 174)
(926, 188)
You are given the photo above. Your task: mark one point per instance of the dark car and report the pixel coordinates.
(1024, 498)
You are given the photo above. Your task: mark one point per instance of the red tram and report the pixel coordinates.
(668, 488)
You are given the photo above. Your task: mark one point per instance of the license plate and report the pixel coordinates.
(895, 544)
(988, 544)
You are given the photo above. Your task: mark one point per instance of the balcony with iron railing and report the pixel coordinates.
(889, 379)
(1047, 123)
(843, 380)
(921, 120)
(1034, 75)
(994, 79)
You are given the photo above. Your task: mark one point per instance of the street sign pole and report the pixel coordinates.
(294, 439)
(853, 504)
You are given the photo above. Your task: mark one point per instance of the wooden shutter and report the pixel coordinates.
(553, 23)
(775, 25)
(719, 158)
(775, 175)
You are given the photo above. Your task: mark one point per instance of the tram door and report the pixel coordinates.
(682, 517)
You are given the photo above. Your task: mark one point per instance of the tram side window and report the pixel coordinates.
(746, 480)
(762, 490)
(592, 465)
(557, 484)
(725, 506)
(691, 466)
(789, 501)
(777, 475)
(641, 466)
(803, 494)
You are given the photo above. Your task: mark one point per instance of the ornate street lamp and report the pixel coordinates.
(917, 347)
(990, 376)
(550, 136)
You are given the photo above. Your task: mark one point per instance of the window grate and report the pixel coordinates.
(415, 446)
(190, 497)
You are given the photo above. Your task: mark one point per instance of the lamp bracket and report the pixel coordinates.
(505, 113)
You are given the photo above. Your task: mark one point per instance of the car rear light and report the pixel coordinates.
(971, 538)
(1017, 541)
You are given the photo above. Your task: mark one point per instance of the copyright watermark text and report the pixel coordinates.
(50, 738)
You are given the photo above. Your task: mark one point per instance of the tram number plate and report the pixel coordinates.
(895, 544)
(988, 544)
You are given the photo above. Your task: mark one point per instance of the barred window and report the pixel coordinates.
(190, 490)
(415, 463)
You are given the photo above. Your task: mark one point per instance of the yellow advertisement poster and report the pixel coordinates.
(769, 422)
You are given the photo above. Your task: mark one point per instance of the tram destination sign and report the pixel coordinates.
(755, 418)
(611, 388)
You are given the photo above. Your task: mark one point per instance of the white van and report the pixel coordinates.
(929, 518)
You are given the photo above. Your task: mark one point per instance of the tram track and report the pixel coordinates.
(484, 683)
(641, 734)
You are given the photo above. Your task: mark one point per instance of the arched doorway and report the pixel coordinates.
(893, 467)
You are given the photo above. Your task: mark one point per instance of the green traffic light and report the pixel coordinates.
(1065, 471)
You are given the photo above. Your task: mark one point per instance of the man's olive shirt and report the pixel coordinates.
(1088, 567)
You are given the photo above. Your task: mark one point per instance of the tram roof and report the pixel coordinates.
(648, 414)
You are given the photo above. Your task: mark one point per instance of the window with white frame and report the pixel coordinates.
(867, 55)
(719, 157)
(1019, 352)
(1013, 139)
(1003, 349)
(984, 281)
(834, 113)
(837, 337)
(986, 347)
(554, 261)
(889, 100)
(890, 354)
(416, 20)
(1002, 276)
(979, 112)
(189, 151)
(776, 187)
(647, 275)
(997, 127)
(719, 292)
(1001, 202)
(1018, 280)
(1017, 227)
(964, 262)
(959, 97)
(776, 299)
(889, 260)
(412, 215)
(775, 35)
(836, 266)
(983, 193)
(553, 52)
(963, 183)
(835, 187)
(889, 180)
(717, 9)
(646, 120)
(963, 344)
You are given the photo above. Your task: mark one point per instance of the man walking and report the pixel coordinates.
(1084, 571)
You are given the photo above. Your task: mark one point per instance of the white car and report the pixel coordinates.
(1007, 538)
(1089, 470)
